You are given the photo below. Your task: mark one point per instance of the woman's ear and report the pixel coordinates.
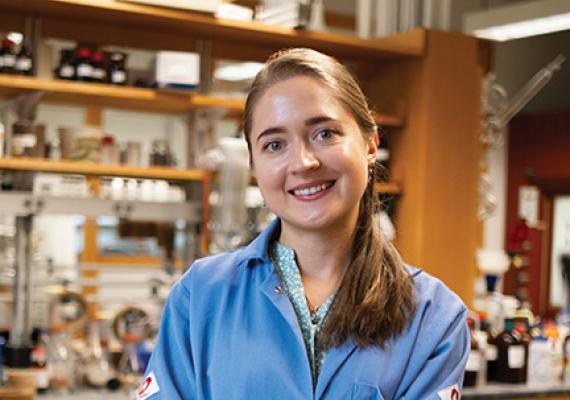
(372, 147)
(251, 166)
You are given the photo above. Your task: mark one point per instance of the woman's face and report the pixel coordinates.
(309, 155)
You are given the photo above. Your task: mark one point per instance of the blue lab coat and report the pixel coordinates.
(229, 331)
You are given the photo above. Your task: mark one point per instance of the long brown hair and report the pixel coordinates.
(375, 299)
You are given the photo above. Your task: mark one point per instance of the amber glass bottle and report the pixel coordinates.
(511, 355)
(474, 360)
(522, 328)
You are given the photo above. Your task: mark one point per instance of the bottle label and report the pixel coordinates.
(98, 73)
(42, 377)
(474, 361)
(66, 71)
(8, 60)
(118, 77)
(84, 70)
(24, 64)
(491, 353)
(516, 356)
(38, 355)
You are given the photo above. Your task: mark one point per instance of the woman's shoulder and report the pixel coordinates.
(222, 267)
(214, 268)
(433, 293)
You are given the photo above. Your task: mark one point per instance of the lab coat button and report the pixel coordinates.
(278, 289)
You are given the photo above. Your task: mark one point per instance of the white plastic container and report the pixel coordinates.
(539, 361)
(176, 69)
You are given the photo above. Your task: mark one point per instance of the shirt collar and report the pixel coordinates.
(259, 247)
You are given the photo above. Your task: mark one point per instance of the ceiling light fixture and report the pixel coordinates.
(520, 20)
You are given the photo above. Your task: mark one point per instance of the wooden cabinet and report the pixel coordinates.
(435, 75)
(436, 154)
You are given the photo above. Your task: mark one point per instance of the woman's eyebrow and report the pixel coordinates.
(317, 120)
(270, 131)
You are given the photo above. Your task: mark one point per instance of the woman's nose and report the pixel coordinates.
(303, 159)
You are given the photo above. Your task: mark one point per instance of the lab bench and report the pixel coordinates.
(519, 392)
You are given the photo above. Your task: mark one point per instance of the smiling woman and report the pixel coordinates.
(310, 159)
(320, 305)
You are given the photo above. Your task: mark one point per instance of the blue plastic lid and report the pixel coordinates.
(491, 282)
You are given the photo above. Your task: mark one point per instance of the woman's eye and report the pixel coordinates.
(273, 146)
(325, 134)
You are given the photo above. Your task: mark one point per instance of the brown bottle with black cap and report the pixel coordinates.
(474, 360)
(511, 360)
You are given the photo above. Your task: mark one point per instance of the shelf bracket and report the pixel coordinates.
(34, 205)
(123, 210)
(204, 49)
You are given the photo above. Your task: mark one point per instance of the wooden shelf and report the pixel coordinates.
(125, 97)
(390, 120)
(87, 168)
(388, 188)
(186, 25)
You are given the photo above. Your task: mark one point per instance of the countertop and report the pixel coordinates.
(487, 392)
(88, 394)
(508, 391)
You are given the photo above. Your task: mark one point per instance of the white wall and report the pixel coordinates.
(560, 245)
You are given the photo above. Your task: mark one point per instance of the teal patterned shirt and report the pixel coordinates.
(283, 258)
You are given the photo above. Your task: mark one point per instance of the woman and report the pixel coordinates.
(319, 306)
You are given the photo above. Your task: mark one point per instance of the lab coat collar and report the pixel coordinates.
(258, 249)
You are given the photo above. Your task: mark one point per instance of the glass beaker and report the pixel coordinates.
(230, 214)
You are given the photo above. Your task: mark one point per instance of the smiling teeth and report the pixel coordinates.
(310, 191)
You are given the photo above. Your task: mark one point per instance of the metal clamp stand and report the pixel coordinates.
(19, 347)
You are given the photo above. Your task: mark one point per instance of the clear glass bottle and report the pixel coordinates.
(130, 366)
(7, 57)
(98, 368)
(98, 73)
(66, 68)
(83, 67)
(117, 73)
(110, 154)
(160, 154)
(24, 63)
(39, 359)
(55, 150)
(61, 361)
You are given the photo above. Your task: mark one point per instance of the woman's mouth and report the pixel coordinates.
(312, 190)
